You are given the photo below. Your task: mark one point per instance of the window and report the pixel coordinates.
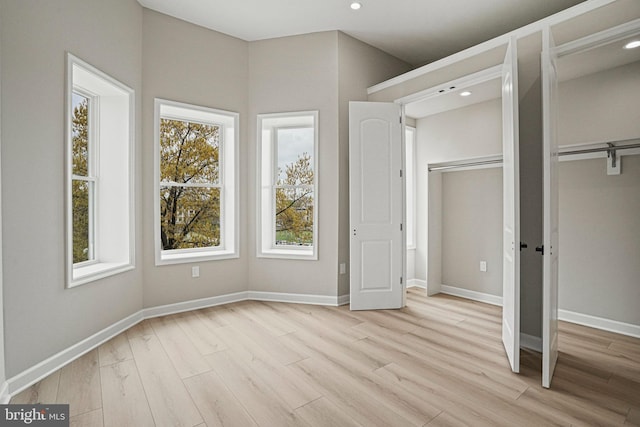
(99, 121)
(196, 183)
(288, 198)
(410, 182)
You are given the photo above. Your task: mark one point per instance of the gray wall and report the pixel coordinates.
(320, 71)
(297, 74)
(472, 230)
(599, 214)
(599, 272)
(41, 316)
(177, 61)
(187, 63)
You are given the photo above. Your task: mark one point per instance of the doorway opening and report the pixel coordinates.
(598, 186)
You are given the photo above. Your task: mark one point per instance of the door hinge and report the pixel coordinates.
(400, 226)
(401, 280)
(400, 173)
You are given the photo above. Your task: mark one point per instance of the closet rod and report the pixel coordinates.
(599, 149)
(464, 165)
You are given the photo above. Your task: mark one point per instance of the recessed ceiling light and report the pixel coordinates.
(465, 93)
(356, 5)
(632, 45)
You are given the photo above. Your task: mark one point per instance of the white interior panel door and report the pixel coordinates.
(511, 209)
(550, 210)
(376, 205)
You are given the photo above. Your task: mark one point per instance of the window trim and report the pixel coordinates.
(269, 249)
(92, 270)
(228, 183)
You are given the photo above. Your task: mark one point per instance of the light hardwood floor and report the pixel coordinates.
(438, 362)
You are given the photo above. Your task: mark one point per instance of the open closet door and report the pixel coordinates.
(511, 209)
(376, 204)
(550, 209)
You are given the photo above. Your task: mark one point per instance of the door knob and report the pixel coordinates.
(523, 246)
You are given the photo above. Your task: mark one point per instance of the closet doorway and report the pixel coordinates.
(467, 204)
(591, 110)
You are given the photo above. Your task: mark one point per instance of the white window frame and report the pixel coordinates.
(228, 181)
(410, 173)
(267, 126)
(110, 170)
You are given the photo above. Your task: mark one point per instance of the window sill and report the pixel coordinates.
(308, 255)
(96, 271)
(195, 256)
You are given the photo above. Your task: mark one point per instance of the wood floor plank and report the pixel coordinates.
(440, 397)
(322, 412)
(437, 362)
(264, 406)
(269, 319)
(115, 350)
(44, 391)
(476, 406)
(124, 400)
(90, 419)
(201, 333)
(170, 403)
(218, 406)
(140, 329)
(312, 318)
(580, 411)
(261, 337)
(359, 402)
(633, 417)
(289, 385)
(216, 316)
(181, 351)
(79, 385)
(447, 420)
(630, 350)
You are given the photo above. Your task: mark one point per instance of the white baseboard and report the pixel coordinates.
(344, 299)
(37, 372)
(600, 323)
(293, 298)
(530, 342)
(5, 397)
(34, 374)
(472, 295)
(196, 304)
(417, 283)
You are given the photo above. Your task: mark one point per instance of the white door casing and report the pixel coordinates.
(550, 209)
(376, 203)
(511, 209)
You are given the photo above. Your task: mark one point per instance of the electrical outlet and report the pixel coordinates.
(195, 271)
(483, 266)
(343, 268)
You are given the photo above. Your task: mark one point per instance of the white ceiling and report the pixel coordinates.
(417, 31)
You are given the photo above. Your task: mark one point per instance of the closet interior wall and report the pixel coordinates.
(459, 212)
(599, 221)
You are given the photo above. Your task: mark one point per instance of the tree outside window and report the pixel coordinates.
(189, 184)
